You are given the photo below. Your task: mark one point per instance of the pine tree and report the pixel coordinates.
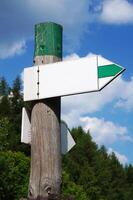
(4, 88)
(5, 107)
(16, 100)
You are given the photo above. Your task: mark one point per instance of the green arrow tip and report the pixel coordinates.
(109, 70)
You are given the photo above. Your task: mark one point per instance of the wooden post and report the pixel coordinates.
(45, 175)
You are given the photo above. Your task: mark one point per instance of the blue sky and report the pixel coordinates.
(103, 27)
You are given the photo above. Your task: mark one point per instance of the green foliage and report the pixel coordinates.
(11, 109)
(4, 88)
(101, 176)
(4, 107)
(4, 134)
(71, 190)
(14, 173)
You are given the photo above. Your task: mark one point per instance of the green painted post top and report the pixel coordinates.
(48, 39)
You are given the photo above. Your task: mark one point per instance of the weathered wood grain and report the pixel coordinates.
(39, 60)
(45, 176)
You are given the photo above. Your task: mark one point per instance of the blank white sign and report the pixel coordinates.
(30, 83)
(61, 79)
(67, 141)
(25, 127)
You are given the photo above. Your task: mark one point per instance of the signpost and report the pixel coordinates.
(45, 83)
(69, 77)
(45, 174)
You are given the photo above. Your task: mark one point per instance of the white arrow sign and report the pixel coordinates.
(67, 141)
(69, 77)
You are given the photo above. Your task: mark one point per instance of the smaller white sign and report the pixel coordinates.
(31, 83)
(67, 141)
(25, 127)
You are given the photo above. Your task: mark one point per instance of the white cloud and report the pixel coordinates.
(104, 132)
(19, 17)
(126, 98)
(72, 56)
(9, 50)
(122, 158)
(75, 56)
(117, 12)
